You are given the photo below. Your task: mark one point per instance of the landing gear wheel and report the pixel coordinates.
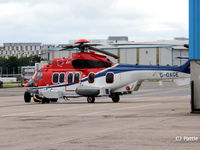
(90, 99)
(115, 98)
(54, 100)
(45, 100)
(27, 97)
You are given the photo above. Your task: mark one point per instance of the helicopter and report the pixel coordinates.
(90, 74)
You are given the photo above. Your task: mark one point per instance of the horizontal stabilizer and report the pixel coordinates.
(137, 85)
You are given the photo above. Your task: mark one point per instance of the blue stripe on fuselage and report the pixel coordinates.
(120, 68)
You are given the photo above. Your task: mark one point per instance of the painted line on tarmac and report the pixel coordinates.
(117, 109)
(156, 92)
(86, 114)
(6, 106)
(41, 111)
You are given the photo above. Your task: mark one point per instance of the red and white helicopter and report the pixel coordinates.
(93, 75)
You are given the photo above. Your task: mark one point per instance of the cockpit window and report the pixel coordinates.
(39, 75)
(33, 77)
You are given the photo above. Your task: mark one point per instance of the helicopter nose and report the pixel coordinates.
(30, 83)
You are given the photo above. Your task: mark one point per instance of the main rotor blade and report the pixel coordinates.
(68, 46)
(104, 52)
(92, 44)
(162, 44)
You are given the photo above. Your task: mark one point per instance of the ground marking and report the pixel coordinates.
(124, 108)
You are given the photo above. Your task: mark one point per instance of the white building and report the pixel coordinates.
(22, 49)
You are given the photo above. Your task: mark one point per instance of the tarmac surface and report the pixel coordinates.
(156, 117)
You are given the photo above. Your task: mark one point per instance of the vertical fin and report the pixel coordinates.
(185, 68)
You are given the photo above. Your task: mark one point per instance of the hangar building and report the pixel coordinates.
(145, 53)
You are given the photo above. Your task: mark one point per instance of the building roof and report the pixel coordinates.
(22, 44)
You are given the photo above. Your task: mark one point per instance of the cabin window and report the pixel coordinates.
(39, 75)
(62, 78)
(91, 78)
(76, 77)
(109, 77)
(70, 78)
(55, 77)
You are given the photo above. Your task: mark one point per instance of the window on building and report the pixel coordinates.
(76, 77)
(91, 77)
(62, 78)
(70, 78)
(109, 77)
(55, 77)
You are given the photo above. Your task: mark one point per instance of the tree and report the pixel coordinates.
(11, 64)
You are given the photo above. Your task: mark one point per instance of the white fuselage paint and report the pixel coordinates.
(121, 80)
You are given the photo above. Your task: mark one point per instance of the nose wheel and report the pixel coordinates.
(27, 97)
(36, 98)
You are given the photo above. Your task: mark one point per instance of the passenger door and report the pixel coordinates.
(73, 80)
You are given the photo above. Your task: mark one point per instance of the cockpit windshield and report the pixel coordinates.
(33, 77)
(39, 75)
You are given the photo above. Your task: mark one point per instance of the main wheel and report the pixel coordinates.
(45, 100)
(115, 98)
(54, 100)
(90, 99)
(27, 97)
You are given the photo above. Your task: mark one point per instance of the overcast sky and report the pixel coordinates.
(58, 21)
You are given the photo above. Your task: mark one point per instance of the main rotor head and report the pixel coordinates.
(84, 45)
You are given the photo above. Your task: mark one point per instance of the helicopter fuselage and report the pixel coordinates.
(92, 75)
